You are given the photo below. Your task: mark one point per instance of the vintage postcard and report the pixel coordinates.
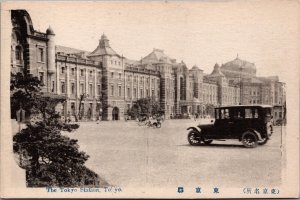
(150, 99)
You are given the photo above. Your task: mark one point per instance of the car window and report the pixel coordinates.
(268, 112)
(251, 113)
(224, 113)
(255, 113)
(248, 113)
(239, 113)
(217, 114)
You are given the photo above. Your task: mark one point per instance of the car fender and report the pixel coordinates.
(256, 133)
(194, 129)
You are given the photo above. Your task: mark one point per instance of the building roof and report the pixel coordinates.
(49, 31)
(255, 80)
(258, 105)
(157, 56)
(195, 67)
(103, 48)
(239, 65)
(131, 62)
(216, 72)
(68, 50)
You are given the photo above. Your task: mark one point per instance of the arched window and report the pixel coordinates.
(18, 53)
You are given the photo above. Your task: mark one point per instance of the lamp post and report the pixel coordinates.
(240, 81)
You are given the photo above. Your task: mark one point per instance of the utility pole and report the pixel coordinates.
(240, 80)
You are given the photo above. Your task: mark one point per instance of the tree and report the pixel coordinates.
(50, 158)
(146, 106)
(24, 90)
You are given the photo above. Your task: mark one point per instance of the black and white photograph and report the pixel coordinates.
(150, 99)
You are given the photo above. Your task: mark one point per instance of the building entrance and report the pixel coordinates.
(115, 113)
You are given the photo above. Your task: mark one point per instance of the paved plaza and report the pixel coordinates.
(128, 155)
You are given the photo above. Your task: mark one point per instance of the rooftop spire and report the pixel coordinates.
(104, 42)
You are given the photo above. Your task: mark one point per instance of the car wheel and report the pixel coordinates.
(249, 139)
(263, 141)
(193, 139)
(207, 141)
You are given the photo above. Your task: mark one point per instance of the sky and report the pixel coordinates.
(200, 33)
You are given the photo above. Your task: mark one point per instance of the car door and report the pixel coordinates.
(222, 127)
(238, 122)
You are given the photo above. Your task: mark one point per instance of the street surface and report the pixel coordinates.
(128, 155)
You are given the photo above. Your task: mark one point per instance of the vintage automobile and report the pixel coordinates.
(250, 124)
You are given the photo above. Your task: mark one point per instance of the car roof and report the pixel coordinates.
(248, 106)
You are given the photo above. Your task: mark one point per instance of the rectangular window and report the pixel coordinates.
(72, 88)
(147, 92)
(120, 76)
(128, 92)
(41, 55)
(63, 89)
(134, 93)
(73, 71)
(41, 77)
(152, 92)
(73, 108)
(112, 74)
(81, 72)
(120, 90)
(91, 89)
(53, 86)
(81, 88)
(18, 53)
(141, 93)
(99, 89)
(112, 90)
(91, 73)
(62, 70)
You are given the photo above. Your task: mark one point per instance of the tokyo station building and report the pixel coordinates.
(107, 84)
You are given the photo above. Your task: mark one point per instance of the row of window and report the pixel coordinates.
(142, 79)
(254, 101)
(114, 62)
(81, 87)
(62, 71)
(135, 94)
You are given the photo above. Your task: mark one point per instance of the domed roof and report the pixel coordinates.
(239, 65)
(49, 31)
(195, 67)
